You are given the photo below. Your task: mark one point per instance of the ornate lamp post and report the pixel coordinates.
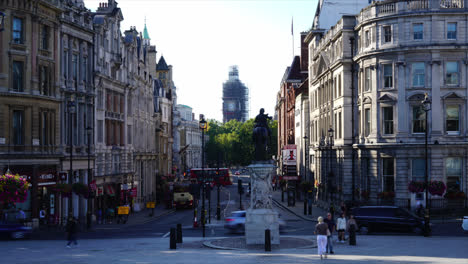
(330, 145)
(203, 126)
(71, 110)
(426, 104)
(89, 131)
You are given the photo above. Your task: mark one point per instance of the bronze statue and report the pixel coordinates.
(261, 135)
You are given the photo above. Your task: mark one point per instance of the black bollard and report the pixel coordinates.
(310, 208)
(352, 235)
(179, 233)
(282, 196)
(305, 206)
(267, 240)
(172, 239)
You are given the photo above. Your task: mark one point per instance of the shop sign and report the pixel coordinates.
(289, 155)
(110, 190)
(47, 179)
(133, 192)
(100, 191)
(291, 178)
(150, 204)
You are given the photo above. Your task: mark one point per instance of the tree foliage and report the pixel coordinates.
(231, 143)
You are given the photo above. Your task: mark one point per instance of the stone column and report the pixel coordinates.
(260, 215)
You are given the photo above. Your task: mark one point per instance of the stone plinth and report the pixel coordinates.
(260, 215)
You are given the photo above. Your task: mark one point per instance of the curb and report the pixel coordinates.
(291, 211)
(210, 245)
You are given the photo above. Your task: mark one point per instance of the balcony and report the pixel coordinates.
(393, 7)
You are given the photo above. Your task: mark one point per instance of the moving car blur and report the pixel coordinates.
(235, 223)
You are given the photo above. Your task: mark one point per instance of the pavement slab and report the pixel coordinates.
(369, 249)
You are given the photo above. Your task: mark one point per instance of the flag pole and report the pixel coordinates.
(292, 33)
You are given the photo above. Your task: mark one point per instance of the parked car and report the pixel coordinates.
(372, 218)
(237, 173)
(236, 222)
(14, 230)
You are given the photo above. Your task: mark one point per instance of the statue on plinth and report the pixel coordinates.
(261, 136)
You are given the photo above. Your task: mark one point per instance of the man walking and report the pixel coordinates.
(72, 229)
(331, 226)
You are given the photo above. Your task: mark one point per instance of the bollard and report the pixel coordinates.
(352, 235)
(282, 196)
(172, 239)
(179, 233)
(310, 208)
(305, 207)
(267, 240)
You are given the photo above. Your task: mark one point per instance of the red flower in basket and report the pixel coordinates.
(437, 188)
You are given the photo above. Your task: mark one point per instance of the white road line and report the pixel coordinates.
(167, 234)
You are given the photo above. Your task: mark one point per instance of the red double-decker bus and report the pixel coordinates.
(212, 175)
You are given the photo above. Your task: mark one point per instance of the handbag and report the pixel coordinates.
(328, 232)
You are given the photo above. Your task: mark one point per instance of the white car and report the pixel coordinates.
(236, 222)
(465, 223)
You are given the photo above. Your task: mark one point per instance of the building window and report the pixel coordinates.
(339, 125)
(44, 82)
(387, 114)
(75, 68)
(85, 70)
(45, 128)
(451, 73)
(452, 30)
(387, 34)
(388, 174)
(388, 75)
(18, 127)
(339, 85)
(18, 75)
(65, 64)
(18, 30)
(418, 72)
(419, 118)
(129, 134)
(367, 122)
(367, 38)
(418, 170)
(452, 119)
(453, 172)
(100, 131)
(99, 99)
(45, 37)
(418, 31)
(367, 79)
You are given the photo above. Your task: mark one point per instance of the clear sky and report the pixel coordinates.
(201, 39)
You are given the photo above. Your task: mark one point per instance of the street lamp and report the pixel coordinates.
(426, 104)
(2, 21)
(89, 131)
(203, 126)
(71, 110)
(330, 145)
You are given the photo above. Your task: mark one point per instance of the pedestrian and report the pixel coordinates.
(72, 229)
(20, 216)
(344, 209)
(331, 226)
(321, 230)
(341, 227)
(351, 222)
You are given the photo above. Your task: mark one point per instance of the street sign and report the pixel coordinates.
(150, 204)
(123, 210)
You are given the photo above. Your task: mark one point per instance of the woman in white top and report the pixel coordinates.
(341, 227)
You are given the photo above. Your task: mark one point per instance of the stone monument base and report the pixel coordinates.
(257, 221)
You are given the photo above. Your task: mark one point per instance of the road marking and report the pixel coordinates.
(165, 235)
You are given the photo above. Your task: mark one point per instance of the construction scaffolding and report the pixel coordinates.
(235, 98)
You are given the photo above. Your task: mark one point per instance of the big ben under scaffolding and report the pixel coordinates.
(235, 98)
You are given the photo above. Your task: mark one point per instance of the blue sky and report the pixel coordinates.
(201, 39)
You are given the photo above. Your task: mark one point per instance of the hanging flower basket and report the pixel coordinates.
(437, 188)
(64, 189)
(386, 195)
(455, 195)
(416, 186)
(80, 189)
(13, 189)
(365, 195)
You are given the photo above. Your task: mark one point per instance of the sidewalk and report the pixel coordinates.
(298, 208)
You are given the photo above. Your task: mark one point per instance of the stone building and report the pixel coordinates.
(190, 139)
(76, 54)
(112, 80)
(30, 99)
(368, 75)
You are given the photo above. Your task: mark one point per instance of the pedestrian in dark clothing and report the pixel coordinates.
(331, 226)
(72, 229)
